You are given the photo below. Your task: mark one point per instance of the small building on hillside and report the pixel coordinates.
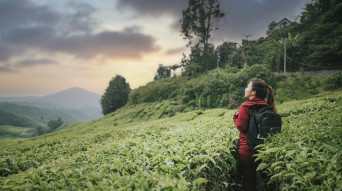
(281, 24)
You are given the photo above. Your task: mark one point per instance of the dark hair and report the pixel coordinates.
(263, 91)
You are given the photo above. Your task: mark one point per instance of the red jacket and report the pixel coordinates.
(242, 122)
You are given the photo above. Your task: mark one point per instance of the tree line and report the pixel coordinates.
(313, 43)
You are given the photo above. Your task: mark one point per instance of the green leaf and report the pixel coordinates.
(202, 167)
(262, 166)
(211, 159)
(332, 146)
(164, 167)
(276, 163)
(273, 150)
(290, 153)
(200, 181)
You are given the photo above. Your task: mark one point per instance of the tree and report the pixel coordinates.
(39, 130)
(225, 52)
(200, 60)
(320, 40)
(54, 124)
(116, 95)
(199, 19)
(162, 72)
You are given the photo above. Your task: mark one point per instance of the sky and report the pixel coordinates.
(49, 46)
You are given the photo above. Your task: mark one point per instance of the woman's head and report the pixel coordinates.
(257, 88)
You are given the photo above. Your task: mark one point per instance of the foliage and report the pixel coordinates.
(54, 124)
(319, 42)
(225, 52)
(306, 155)
(40, 130)
(334, 82)
(157, 90)
(201, 60)
(312, 44)
(217, 88)
(116, 95)
(13, 119)
(41, 115)
(198, 21)
(199, 18)
(10, 131)
(189, 151)
(297, 87)
(222, 88)
(162, 72)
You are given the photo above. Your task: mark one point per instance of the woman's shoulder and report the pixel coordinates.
(254, 101)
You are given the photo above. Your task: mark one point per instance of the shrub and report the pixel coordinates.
(296, 88)
(334, 82)
(216, 88)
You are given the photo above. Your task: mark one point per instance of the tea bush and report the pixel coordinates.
(307, 154)
(129, 150)
(191, 151)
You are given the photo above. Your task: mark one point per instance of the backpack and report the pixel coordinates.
(262, 123)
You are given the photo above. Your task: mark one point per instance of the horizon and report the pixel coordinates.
(47, 47)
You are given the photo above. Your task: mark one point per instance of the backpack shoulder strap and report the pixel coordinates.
(257, 111)
(261, 107)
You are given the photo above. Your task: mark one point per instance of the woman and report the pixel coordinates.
(256, 93)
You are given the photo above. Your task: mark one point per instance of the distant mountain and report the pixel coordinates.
(80, 103)
(73, 98)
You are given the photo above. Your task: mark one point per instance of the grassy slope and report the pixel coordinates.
(38, 114)
(13, 124)
(99, 143)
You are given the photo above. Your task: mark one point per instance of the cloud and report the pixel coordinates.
(13, 67)
(6, 68)
(81, 18)
(5, 52)
(154, 7)
(26, 26)
(15, 13)
(110, 44)
(248, 17)
(252, 17)
(34, 62)
(176, 50)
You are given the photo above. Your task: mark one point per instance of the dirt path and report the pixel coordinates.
(24, 132)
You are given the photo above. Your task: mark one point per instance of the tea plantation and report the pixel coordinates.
(134, 149)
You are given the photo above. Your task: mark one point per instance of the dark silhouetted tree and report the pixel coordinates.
(162, 72)
(116, 95)
(199, 19)
(54, 124)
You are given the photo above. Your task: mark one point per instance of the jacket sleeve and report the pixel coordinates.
(242, 119)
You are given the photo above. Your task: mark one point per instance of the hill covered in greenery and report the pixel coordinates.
(24, 121)
(134, 149)
(36, 113)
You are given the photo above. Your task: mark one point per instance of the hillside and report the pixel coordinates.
(130, 149)
(17, 125)
(39, 114)
(13, 119)
(74, 104)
